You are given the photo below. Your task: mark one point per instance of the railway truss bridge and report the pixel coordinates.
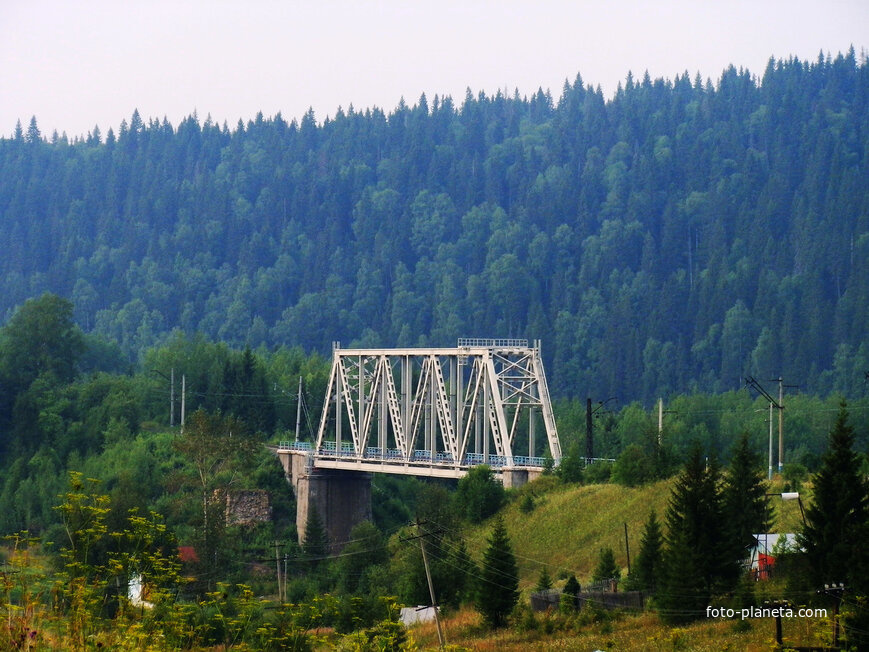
(434, 412)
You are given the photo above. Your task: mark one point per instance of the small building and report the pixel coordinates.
(248, 507)
(187, 555)
(763, 554)
(413, 615)
(138, 592)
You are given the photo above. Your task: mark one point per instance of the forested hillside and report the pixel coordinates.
(673, 238)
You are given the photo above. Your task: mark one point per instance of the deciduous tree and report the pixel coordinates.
(479, 494)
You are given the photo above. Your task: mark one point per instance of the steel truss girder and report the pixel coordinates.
(453, 407)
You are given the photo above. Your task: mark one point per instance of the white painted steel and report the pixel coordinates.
(441, 423)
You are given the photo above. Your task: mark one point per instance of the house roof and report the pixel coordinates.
(187, 553)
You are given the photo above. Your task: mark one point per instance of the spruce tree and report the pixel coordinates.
(746, 506)
(837, 528)
(571, 590)
(315, 544)
(498, 591)
(648, 566)
(697, 558)
(544, 582)
(607, 568)
(462, 572)
(837, 520)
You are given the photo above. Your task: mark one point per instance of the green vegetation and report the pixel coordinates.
(498, 592)
(479, 494)
(668, 242)
(745, 504)
(672, 238)
(606, 568)
(837, 526)
(544, 582)
(698, 559)
(648, 565)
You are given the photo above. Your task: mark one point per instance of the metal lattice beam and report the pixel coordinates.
(448, 407)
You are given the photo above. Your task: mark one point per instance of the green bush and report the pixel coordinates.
(598, 472)
(479, 494)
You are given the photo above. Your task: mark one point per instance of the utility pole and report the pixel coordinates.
(183, 397)
(781, 450)
(299, 409)
(838, 592)
(770, 442)
(421, 537)
(751, 382)
(781, 407)
(434, 604)
(589, 427)
(661, 413)
(627, 548)
(172, 398)
(278, 565)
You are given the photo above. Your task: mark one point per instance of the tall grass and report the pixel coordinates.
(570, 524)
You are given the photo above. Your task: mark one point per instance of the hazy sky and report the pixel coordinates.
(77, 63)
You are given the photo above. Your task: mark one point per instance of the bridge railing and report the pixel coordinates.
(491, 343)
(288, 445)
(417, 457)
(524, 460)
(495, 461)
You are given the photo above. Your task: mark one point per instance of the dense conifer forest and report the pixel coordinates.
(672, 238)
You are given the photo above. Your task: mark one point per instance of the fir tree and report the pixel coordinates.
(746, 506)
(499, 578)
(315, 544)
(571, 590)
(837, 521)
(463, 570)
(607, 568)
(697, 558)
(647, 568)
(544, 582)
(837, 528)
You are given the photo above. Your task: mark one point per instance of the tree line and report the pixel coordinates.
(161, 486)
(668, 240)
(698, 559)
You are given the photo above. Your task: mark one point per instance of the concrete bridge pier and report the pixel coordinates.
(342, 498)
(513, 478)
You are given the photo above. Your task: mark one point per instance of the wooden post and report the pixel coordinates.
(430, 585)
(627, 548)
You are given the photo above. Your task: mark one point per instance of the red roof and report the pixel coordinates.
(187, 553)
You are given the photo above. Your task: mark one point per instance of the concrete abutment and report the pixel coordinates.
(342, 498)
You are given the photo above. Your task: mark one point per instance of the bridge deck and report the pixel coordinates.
(420, 462)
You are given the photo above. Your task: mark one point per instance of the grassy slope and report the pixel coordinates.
(570, 524)
(566, 529)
